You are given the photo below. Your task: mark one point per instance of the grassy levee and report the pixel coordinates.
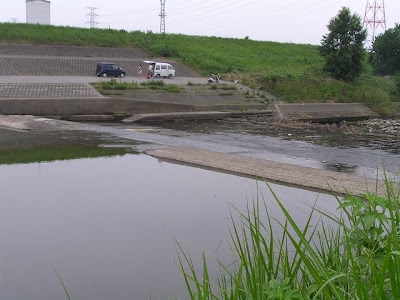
(292, 72)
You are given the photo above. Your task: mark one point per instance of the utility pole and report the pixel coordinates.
(92, 16)
(162, 17)
(374, 17)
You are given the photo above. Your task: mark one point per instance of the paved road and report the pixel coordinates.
(89, 79)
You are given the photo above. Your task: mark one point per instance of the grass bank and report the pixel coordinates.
(293, 72)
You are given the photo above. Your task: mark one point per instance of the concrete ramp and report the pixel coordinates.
(304, 177)
(56, 60)
(323, 112)
(199, 115)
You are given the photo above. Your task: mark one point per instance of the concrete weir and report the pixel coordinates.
(304, 177)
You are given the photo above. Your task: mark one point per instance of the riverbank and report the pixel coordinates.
(384, 126)
(292, 73)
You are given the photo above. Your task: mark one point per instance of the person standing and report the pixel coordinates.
(140, 71)
(151, 70)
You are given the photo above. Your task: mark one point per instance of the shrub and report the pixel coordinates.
(225, 94)
(172, 88)
(228, 87)
(122, 86)
(112, 85)
(397, 81)
(153, 83)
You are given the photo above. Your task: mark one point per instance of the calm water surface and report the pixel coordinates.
(107, 225)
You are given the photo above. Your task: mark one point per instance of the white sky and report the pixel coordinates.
(279, 20)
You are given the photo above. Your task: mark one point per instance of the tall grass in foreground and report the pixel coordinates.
(357, 258)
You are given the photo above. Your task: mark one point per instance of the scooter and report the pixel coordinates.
(214, 78)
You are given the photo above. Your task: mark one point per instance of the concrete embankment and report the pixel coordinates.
(304, 177)
(103, 105)
(323, 112)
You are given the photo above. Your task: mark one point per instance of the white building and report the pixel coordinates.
(38, 12)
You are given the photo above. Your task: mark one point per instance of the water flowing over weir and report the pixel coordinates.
(107, 221)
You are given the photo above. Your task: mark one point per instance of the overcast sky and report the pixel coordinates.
(279, 20)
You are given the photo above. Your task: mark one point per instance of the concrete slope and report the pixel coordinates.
(304, 177)
(323, 112)
(45, 60)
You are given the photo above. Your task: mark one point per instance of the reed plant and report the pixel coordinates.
(354, 254)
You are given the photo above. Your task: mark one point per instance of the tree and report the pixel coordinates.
(342, 47)
(385, 53)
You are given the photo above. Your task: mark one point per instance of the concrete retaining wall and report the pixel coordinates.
(323, 112)
(93, 106)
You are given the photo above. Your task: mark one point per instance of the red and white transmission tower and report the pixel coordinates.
(374, 17)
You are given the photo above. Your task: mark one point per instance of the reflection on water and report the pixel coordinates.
(107, 225)
(20, 147)
(32, 154)
(338, 167)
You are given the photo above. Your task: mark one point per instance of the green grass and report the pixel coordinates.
(227, 87)
(172, 88)
(378, 93)
(358, 257)
(292, 72)
(225, 94)
(112, 87)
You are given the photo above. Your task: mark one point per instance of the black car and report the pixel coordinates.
(106, 69)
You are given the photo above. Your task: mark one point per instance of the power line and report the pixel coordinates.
(212, 12)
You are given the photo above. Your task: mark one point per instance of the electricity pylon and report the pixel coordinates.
(374, 18)
(162, 17)
(92, 16)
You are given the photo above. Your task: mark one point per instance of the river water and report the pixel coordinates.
(109, 225)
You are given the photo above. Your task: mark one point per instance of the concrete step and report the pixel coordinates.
(323, 112)
(202, 115)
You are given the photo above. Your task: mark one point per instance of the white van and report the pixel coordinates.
(161, 69)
